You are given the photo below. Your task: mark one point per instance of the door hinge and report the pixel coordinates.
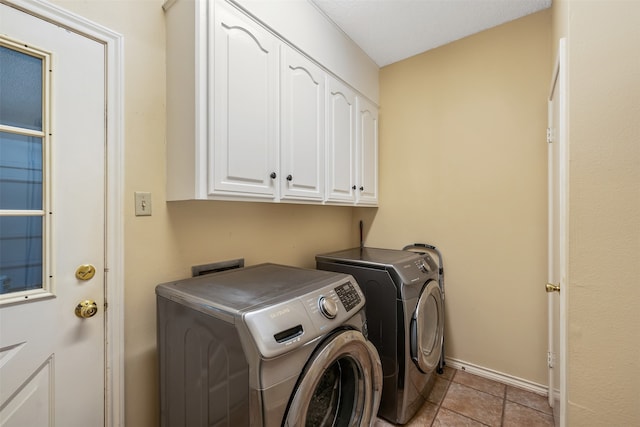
(549, 135)
(550, 359)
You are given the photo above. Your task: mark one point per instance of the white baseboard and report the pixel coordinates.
(497, 376)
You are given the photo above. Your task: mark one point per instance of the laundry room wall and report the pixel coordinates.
(463, 167)
(164, 246)
(602, 292)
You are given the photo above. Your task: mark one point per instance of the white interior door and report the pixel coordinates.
(557, 286)
(52, 220)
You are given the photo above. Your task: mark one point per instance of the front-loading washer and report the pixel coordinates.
(405, 314)
(268, 345)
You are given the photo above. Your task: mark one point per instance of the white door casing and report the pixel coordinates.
(558, 228)
(56, 353)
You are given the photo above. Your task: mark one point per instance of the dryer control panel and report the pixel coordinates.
(283, 327)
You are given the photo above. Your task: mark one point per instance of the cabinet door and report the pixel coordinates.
(341, 142)
(302, 127)
(244, 149)
(367, 147)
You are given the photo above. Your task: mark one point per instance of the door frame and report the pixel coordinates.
(560, 135)
(114, 154)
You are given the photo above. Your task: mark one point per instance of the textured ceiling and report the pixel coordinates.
(393, 30)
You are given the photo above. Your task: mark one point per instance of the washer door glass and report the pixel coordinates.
(427, 327)
(340, 385)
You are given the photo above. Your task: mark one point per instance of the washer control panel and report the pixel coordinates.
(422, 266)
(348, 295)
(282, 327)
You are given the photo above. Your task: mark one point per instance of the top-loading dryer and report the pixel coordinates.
(405, 314)
(267, 345)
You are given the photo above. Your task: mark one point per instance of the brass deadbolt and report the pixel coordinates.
(86, 309)
(85, 272)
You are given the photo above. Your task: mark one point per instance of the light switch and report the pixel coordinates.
(143, 203)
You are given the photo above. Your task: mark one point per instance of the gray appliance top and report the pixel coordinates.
(405, 267)
(373, 256)
(249, 288)
(282, 307)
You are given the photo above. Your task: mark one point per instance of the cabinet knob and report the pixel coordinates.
(361, 188)
(289, 177)
(273, 175)
(353, 188)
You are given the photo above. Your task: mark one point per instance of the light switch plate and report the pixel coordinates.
(143, 203)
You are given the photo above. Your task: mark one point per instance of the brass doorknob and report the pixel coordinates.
(87, 308)
(550, 287)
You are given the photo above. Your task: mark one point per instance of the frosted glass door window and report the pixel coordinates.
(23, 224)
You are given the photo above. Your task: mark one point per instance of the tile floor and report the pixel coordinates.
(460, 399)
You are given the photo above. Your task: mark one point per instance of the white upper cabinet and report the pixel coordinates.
(302, 127)
(187, 100)
(352, 147)
(245, 106)
(341, 143)
(251, 116)
(367, 145)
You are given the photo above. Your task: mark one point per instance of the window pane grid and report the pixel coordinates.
(24, 219)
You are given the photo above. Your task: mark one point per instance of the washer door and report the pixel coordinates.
(427, 326)
(340, 385)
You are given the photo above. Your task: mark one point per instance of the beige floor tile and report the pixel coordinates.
(460, 399)
(438, 391)
(424, 416)
(479, 383)
(527, 398)
(446, 418)
(475, 404)
(516, 415)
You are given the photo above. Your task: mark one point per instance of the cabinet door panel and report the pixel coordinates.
(341, 139)
(245, 100)
(367, 153)
(303, 85)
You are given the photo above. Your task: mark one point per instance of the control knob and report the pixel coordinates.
(422, 266)
(328, 307)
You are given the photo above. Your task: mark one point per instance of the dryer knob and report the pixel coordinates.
(328, 307)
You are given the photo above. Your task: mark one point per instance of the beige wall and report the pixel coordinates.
(178, 235)
(463, 167)
(603, 373)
